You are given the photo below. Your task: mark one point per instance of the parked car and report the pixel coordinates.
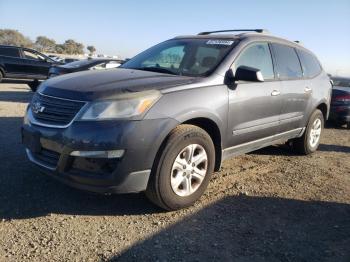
(56, 58)
(70, 60)
(167, 118)
(340, 104)
(82, 65)
(24, 63)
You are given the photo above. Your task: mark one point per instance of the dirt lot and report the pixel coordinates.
(269, 205)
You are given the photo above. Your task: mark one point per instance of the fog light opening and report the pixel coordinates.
(99, 154)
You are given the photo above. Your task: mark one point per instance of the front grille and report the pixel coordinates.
(47, 157)
(54, 110)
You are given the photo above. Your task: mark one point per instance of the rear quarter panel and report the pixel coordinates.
(321, 93)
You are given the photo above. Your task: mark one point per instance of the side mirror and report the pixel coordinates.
(246, 73)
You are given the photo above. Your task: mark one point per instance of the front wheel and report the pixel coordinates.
(310, 140)
(183, 168)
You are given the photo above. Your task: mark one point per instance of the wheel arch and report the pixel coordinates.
(323, 107)
(214, 132)
(208, 125)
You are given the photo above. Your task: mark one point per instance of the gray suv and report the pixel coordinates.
(167, 118)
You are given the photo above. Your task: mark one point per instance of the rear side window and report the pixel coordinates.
(288, 65)
(9, 51)
(257, 56)
(311, 66)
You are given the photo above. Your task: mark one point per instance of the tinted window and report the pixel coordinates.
(257, 56)
(311, 66)
(8, 51)
(288, 65)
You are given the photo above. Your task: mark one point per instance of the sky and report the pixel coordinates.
(125, 28)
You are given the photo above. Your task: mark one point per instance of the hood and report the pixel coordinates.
(57, 69)
(101, 84)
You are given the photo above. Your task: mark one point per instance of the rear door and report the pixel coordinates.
(35, 64)
(311, 70)
(254, 107)
(9, 59)
(295, 92)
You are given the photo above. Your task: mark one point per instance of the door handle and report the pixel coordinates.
(307, 90)
(275, 93)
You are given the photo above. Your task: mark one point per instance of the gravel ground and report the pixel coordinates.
(269, 205)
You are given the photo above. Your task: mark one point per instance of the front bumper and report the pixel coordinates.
(50, 149)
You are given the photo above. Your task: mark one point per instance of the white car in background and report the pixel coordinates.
(85, 64)
(56, 58)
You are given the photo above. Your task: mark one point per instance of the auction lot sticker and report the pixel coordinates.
(220, 42)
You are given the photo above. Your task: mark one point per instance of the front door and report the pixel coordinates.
(35, 65)
(254, 107)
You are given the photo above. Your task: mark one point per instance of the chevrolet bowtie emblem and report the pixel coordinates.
(37, 108)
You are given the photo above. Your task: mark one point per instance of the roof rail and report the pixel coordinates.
(235, 30)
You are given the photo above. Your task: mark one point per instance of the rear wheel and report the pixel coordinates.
(310, 140)
(183, 168)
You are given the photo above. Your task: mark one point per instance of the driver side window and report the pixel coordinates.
(258, 56)
(31, 55)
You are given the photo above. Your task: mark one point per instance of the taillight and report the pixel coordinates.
(344, 98)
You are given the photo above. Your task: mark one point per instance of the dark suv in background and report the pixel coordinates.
(24, 63)
(167, 118)
(340, 104)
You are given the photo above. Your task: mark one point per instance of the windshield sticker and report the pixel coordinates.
(219, 42)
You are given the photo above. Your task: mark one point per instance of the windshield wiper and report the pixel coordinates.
(156, 69)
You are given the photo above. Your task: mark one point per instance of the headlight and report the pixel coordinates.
(127, 106)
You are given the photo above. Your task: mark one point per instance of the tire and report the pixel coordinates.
(164, 188)
(348, 125)
(308, 143)
(1, 76)
(34, 85)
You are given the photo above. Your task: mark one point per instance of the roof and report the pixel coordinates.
(263, 35)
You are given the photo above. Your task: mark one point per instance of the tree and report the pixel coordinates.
(42, 43)
(72, 47)
(91, 49)
(45, 44)
(59, 49)
(13, 37)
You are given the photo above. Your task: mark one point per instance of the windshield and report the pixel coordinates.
(189, 57)
(342, 83)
